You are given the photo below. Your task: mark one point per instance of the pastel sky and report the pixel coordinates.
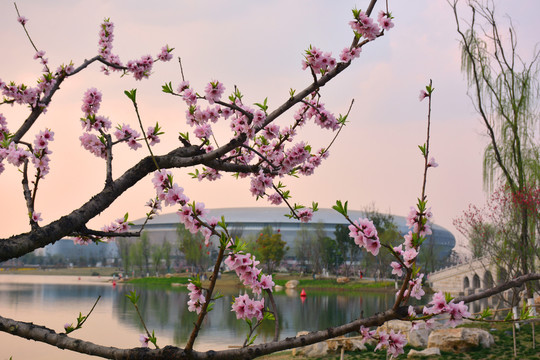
(258, 46)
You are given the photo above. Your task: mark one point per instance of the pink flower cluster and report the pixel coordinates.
(4, 131)
(213, 91)
(246, 269)
(126, 133)
(41, 152)
(193, 216)
(365, 235)
(94, 144)
(393, 342)
(271, 145)
(314, 109)
(196, 298)
(42, 59)
(20, 94)
(120, 225)
(14, 155)
(366, 27)
(439, 306)
(91, 101)
(420, 222)
(318, 61)
(140, 68)
(246, 308)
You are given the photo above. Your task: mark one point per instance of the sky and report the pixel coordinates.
(258, 46)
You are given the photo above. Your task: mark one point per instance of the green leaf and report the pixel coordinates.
(133, 297)
(263, 106)
(131, 94)
(252, 340)
(167, 88)
(291, 92)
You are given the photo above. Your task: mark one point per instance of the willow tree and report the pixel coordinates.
(504, 89)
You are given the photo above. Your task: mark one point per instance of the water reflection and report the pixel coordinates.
(115, 322)
(167, 310)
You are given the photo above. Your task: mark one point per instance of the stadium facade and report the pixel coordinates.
(250, 221)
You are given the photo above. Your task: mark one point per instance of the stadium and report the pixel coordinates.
(250, 221)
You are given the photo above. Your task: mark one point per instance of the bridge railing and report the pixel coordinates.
(458, 265)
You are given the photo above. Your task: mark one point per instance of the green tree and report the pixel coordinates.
(123, 249)
(193, 248)
(146, 253)
(302, 248)
(136, 257)
(271, 249)
(504, 89)
(166, 251)
(157, 256)
(347, 250)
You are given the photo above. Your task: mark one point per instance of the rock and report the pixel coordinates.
(313, 350)
(343, 280)
(278, 288)
(348, 344)
(417, 337)
(426, 352)
(460, 340)
(291, 284)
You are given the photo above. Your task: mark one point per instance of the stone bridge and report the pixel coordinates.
(465, 279)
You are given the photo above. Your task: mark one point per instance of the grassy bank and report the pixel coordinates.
(503, 348)
(231, 280)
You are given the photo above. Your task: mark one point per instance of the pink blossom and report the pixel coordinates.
(246, 308)
(143, 338)
(22, 20)
(126, 133)
(203, 131)
(423, 95)
(213, 91)
(409, 256)
(16, 156)
(305, 215)
(36, 216)
(91, 101)
(275, 199)
(165, 54)
(416, 290)
(438, 305)
(93, 144)
(397, 268)
(396, 342)
(266, 282)
(184, 85)
(432, 163)
(175, 195)
(141, 68)
(457, 313)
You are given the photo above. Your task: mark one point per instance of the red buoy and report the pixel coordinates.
(303, 293)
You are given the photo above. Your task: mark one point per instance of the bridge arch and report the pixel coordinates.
(466, 283)
(476, 281)
(487, 280)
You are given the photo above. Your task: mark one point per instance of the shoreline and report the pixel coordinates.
(227, 280)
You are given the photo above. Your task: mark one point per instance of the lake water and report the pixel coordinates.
(53, 301)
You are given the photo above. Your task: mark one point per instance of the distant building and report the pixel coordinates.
(250, 220)
(71, 252)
